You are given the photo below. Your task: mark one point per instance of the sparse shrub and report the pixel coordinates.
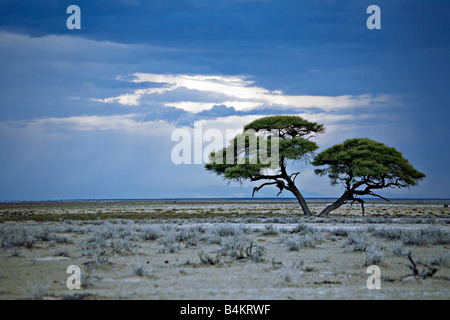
(170, 242)
(269, 230)
(213, 238)
(292, 243)
(150, 233)
(187, 236)
(436, 236)
(198, 229)
(139, 271)
(166, 228)
(207, 259)
(388, 233)
(439, 258)
(373, 255)
(67, 229)
(310, 240)
(107, 230)
(422, 269)
(61, 253)
(128, 233)
(426, 236)
(60, 239)
(235, 247)
(87, 277)
(397, 249)
(13, 235)
(291, 273)
(124, 245)
(95, 246)
(295, 242)
(357, 241)
(245, 229)
(417, 237)
(99, 257)
(257, 254)
(82, 231)
(241, 247)
(227, 230)
(303, 228)
(339, 232)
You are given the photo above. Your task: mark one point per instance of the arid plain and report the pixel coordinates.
(223, 249)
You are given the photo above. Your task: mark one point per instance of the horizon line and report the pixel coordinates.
(216, 198)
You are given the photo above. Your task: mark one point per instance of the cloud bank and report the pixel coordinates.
(196, 93)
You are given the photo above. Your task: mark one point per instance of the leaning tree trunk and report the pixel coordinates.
(292, 188)
(301, 201)
(339, 202)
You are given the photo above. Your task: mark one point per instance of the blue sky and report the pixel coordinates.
(89, 113)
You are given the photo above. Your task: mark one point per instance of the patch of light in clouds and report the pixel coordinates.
(237, 92)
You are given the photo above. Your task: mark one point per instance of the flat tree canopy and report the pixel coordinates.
(362, 166)
(286, 136)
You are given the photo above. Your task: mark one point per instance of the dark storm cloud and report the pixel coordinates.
(55, 133)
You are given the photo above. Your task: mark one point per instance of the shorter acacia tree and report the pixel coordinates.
(363, 166)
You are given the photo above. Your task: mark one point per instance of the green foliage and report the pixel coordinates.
(296, 148)
(289, 126)
(246, 160)
(362, 161)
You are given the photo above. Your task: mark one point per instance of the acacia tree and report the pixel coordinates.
(292, 138)
(363, 166)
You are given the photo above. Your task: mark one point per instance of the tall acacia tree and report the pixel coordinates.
(293, 140)
(363, 166)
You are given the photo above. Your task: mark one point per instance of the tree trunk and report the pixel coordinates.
(362, 204)
(339, 202)
(302, 202)
(292, 188)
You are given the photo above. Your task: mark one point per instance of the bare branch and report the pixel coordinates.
(377, 195)
(295, 174)
(256, 189)
(414, 265)
(361, 201)
(280, 184)
(281, 190)
(264, 177)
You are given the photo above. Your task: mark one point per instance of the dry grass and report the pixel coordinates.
(253, 256)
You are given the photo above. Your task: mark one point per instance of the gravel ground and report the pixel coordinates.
(252, 256)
